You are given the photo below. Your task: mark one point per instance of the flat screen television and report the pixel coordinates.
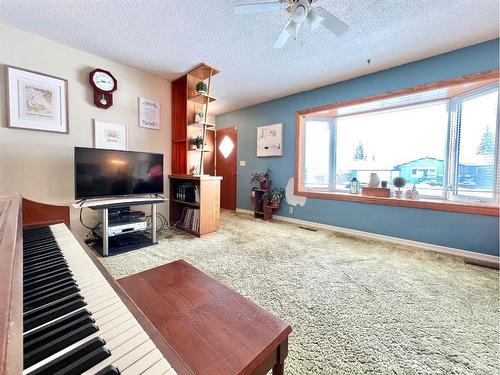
(107, 173)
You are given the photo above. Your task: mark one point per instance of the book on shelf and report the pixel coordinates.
(190, 219)
(187, 192)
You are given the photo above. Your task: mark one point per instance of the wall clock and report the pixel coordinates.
(104, 84)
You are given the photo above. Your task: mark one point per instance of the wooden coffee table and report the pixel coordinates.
(213, 329)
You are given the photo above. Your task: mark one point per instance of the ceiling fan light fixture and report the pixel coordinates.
(315, 20)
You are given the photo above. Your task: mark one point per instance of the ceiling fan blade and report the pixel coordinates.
(255, 8)
(284, 34)
(331, 23)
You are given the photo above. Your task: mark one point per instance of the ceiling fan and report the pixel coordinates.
(301, 12)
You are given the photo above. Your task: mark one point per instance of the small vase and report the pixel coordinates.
(264, 185)
(384, 184)
(374, 180)
(398, 193)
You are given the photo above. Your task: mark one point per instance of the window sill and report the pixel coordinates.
(476, 209)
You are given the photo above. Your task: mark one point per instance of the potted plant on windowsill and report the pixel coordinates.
(197, 141)
(274, 197)
(399, 182)
(264, 179)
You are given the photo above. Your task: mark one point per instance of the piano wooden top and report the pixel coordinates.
(212, 328)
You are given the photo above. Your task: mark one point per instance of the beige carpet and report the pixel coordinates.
(355, 306)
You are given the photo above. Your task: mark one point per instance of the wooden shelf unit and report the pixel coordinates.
(209, 204)
(260, 208)
(186, 102)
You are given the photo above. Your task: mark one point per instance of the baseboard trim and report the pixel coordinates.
(476, 258)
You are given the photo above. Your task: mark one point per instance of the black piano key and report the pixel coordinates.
(33, 336)
(34, 241)
(76, 361)
(47, 278)
(40, 285)
(49, 298)
(37, 230)
(49, 305)
(43, 264)
(41, 251)
(47, 269)
(36, 317)
(38, 258)
(58, 341)
(27, 297)
(108, 370)
(39, 244)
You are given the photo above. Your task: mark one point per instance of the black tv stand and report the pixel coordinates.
(141, 239)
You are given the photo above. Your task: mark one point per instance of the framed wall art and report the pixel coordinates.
(37, 101)
(149, 114)
(270, 140)
(110, 135)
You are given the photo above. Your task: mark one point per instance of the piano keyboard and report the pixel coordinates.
(74, 322)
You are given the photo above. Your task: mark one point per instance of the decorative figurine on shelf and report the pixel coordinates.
(384, 184)
(413, 193)
(201, 88)
(374, 180)
(199, 117)
(354, 186)
(399, 182)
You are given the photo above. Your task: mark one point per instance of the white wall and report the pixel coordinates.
(39, 165)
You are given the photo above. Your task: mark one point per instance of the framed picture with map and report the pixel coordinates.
(37, 101)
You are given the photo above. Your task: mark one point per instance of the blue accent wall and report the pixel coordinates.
(464, 231)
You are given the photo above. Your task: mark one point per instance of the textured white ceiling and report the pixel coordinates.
(168, 37)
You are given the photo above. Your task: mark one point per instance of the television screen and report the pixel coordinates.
(106, 173)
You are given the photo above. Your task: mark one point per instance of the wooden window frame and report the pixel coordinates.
(434, 204)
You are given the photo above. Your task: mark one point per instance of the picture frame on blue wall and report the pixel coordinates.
(270, 140)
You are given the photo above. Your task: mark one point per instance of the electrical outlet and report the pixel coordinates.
(290, 209)
(243, 163)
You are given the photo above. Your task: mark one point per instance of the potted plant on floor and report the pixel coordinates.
(264, 179)
(197, 141)
(399, 182)
(274, 197)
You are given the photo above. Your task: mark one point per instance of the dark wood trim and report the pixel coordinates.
(38, 214)
(11, 282)
(450, 206)
(477, 209)
(469, 78)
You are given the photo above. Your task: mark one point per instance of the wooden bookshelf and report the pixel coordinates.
(186, 102)
(208, 205)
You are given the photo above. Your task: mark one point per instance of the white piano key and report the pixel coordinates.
(123, 337)
(134, 355)
(121, 350)
(160, 367)
(143, 364)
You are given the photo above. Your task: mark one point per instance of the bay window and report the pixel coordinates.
(443, 141)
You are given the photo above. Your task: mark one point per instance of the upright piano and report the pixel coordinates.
(61, 312)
